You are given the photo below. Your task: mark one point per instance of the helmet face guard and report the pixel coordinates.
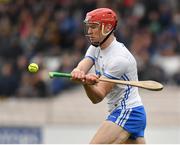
(87, 30)
(88, 26)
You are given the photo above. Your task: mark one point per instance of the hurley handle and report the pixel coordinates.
(58, 74)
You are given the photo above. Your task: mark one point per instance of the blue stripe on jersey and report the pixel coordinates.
(90, 58)
(97, 72)
(127, 91)
(110, 76)
(129, 87)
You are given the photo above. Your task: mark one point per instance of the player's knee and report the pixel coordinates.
(97, 142)
(140, 140)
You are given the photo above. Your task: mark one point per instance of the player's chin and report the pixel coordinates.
(93, 39)
(94, 43)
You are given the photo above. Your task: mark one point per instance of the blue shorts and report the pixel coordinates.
(133, 120)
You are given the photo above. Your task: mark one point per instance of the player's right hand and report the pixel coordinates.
(91, 79)
(78, 75)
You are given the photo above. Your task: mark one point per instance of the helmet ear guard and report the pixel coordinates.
(106, 29)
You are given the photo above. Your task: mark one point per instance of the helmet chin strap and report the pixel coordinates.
(100, 43)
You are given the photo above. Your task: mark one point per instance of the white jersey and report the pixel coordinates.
(116, 62)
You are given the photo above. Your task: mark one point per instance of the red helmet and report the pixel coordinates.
(102, 16)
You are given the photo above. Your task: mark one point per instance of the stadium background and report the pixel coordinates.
(35, 109)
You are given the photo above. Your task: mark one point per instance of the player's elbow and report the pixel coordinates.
(99, 97)
(97, 100)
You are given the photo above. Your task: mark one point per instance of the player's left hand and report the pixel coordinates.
(91, 79)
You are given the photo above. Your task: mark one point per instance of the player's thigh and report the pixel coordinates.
(110, 132)
(139, 140)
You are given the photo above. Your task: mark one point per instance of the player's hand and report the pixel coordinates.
(78, 75)
(91, 79)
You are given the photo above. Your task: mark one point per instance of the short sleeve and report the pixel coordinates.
(116, 67)
(91, 53)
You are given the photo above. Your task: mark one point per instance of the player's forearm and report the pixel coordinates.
(94, 94)
(84, 65)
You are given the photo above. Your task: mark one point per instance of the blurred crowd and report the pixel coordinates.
(50, 33)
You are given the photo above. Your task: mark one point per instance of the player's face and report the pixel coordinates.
(93, 32)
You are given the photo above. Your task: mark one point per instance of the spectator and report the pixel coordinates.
(31, 29)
